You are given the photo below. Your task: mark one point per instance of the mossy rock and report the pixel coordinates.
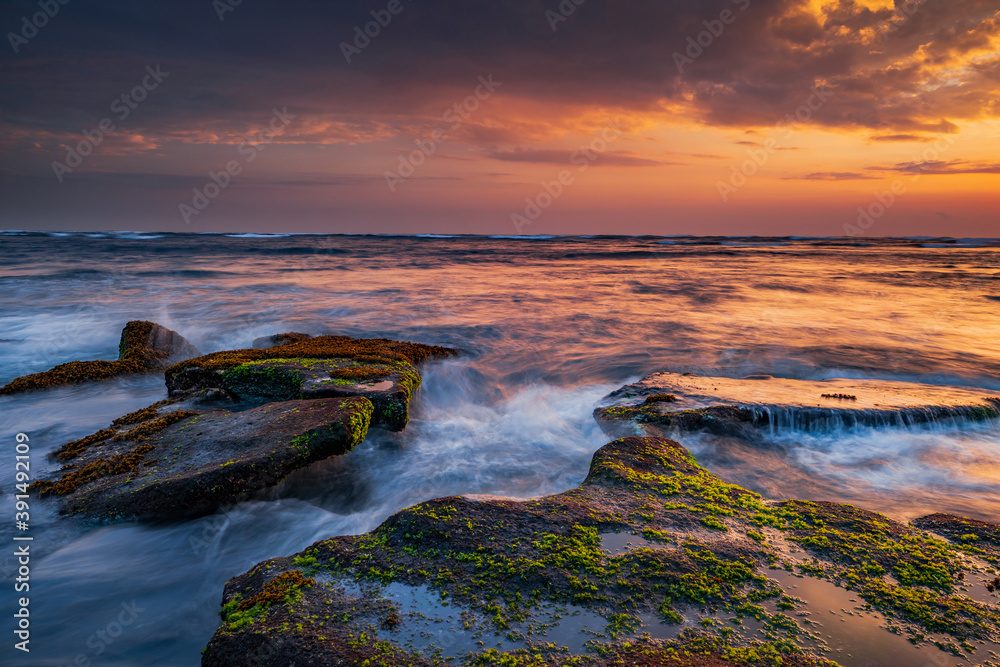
(186, 463)
(388, 386)
(706, 550)
(328, 366)
(665, 403)
(267, 342)
(374, 350)
(977, 537)
(145, 347)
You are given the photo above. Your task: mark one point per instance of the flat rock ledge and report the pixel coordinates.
(267, 342)
(145, 347)
(652, 560)
(663, 403)
(381, 370)
(237, 422)
(166, 463)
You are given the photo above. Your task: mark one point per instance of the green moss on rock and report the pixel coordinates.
(711, 546)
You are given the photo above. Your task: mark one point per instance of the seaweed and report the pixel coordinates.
(73, 479)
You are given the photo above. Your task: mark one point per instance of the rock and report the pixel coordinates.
(381, 370)
(145, 347)
(171, 464)
(649, 542)
(979, 537)
(745, 407)
(388, 386)
(152, 346)
(267, 342)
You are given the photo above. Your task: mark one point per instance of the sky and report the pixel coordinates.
(741, 117)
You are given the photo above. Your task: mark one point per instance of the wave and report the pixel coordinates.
(249, 235)
(752, 245)
(535, 237)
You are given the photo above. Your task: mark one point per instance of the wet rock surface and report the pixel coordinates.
(388, 386)
(327, 366)
(145, 347)
(751, 406)
(169, 463)
(236, 422)
(267, 342)
(650, 542)
(978, 537)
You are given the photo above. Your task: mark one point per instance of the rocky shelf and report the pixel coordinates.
(383, 371)
(182, 464)
(237, 422)
(665, 402)
(653, 560)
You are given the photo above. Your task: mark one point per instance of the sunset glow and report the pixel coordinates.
(852, 96)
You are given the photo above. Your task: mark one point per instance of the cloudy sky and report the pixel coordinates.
(797, 117)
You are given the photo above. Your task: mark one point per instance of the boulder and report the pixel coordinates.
(168, 463)
(145, 347)
(616, 571)
(267, 342)
(152, 346)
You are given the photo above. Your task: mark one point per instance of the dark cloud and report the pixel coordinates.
(891, 138)
(943, 167)
(226, 74)
(849, 68)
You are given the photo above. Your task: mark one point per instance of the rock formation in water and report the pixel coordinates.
(327, 366)
(750, 406)
(649, 542)
(182, 463)
(267, 342)
(192, 453)
(145, 347)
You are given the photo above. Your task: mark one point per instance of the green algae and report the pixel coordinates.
(251, 380)
(286, 588)
(710, 546)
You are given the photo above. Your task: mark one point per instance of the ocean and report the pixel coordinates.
(547, 325)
